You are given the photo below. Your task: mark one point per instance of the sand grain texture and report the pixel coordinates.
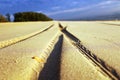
(56, 57)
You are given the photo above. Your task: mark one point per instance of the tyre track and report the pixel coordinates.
(9, 42)
(51, 69)
(50, 59)
(42, 59)
(103, 67)
(111, 24)
(46, 52)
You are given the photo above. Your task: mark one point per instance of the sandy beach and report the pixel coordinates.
(85, 50)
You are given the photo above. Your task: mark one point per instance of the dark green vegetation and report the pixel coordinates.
(3, 19)
(30, 16)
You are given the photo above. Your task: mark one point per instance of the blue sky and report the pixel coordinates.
(61, 9)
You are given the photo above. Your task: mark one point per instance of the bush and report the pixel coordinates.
(3, 19)
(30, 16)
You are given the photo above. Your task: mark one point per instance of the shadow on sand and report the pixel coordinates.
(68, 34)
(51, 70)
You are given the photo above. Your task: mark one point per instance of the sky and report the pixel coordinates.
(62, 9)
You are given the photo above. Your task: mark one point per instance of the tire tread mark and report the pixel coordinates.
(10, 42)
(106, 69)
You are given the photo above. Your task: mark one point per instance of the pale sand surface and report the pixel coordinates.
(12, 30)
(116, 23)
(102, 39)
(74, 66)
(16, 61)
(67, 63)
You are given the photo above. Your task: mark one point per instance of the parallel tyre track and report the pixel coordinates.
(111, 24)
(9, 42)
(51, 69)
(104, 68)
(107, 70)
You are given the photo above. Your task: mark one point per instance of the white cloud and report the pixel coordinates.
(68, 10)
(105, 3)
(75, 2)
(55, 7)
(102, 4)
(108, 3)
(39, 11)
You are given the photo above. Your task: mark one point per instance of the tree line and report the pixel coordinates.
(3, 18)
(25, 16)
(30, 16)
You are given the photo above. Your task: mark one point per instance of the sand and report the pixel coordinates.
(101, 39)
(51, 55)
